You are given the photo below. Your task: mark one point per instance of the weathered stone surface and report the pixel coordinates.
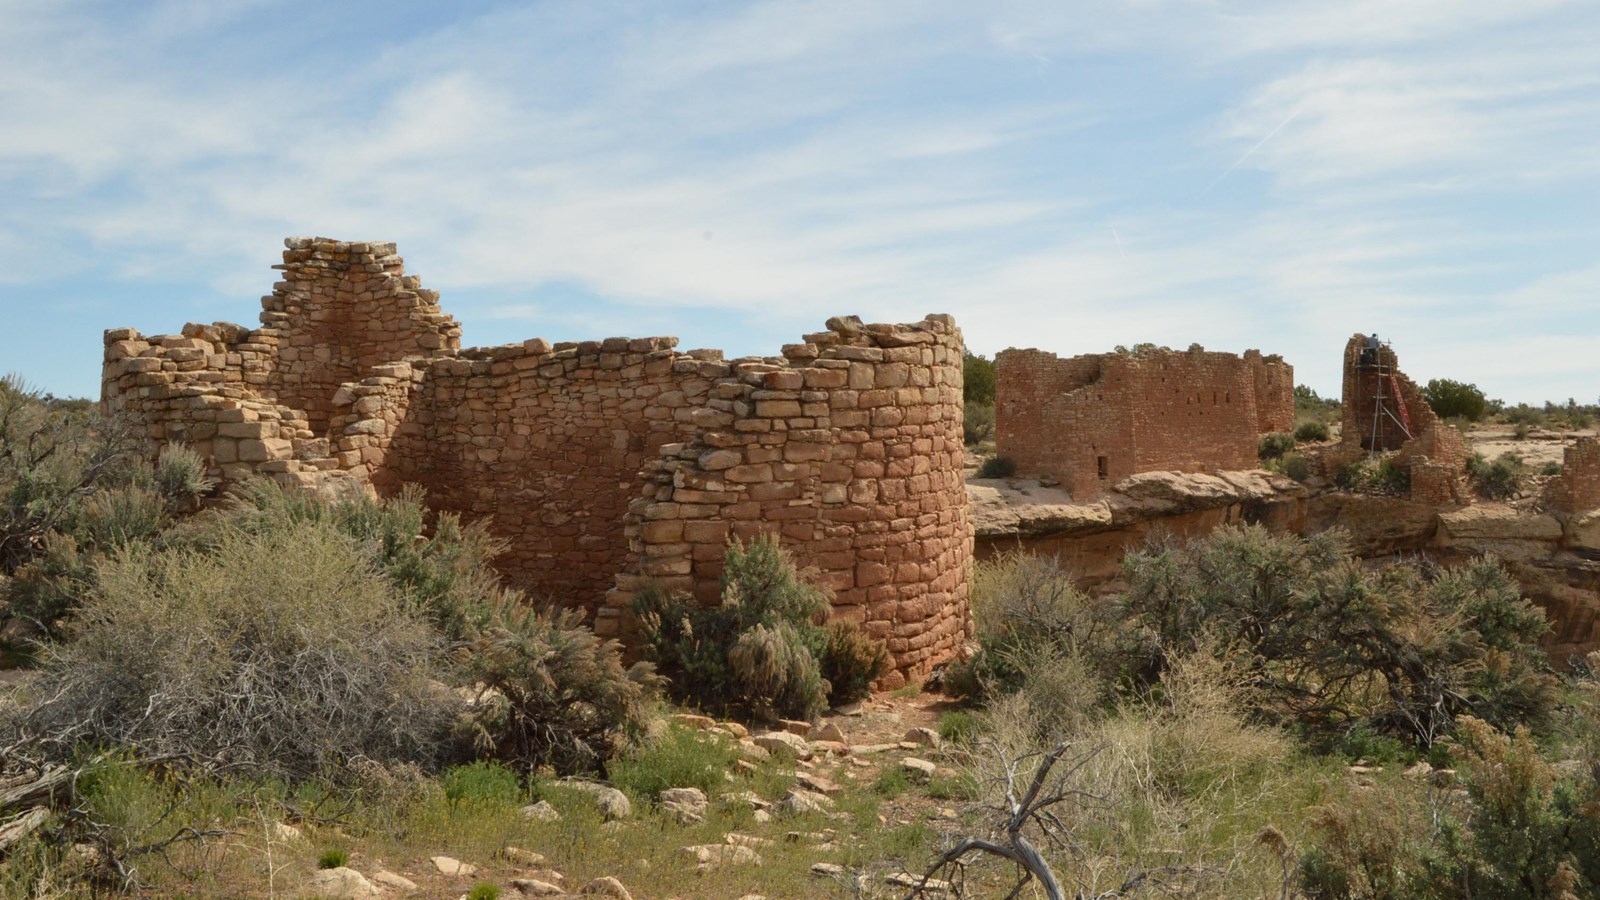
(612, 803)
(1497, 523)
(686, 805)
(607, 886)
(541, 812)
(784, 742)
(392, 881)
(341, 882)
(708, 857)
(449, 865)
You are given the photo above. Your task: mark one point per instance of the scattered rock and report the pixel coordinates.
(523, 857)
(448, 865)
(918, 768)
(827, 870)
(806, 837)
(830, 748)
(686, 805)
(803, 801)
(850, 709)
(925, 737)
(393, 882)
(541, 812)
(737, 730)
(690, 720)
(286, 833)
(533, 887)
(746, 840)
(907, 880)
(612, 802)
(761, 817)
(784, 742)
(340, 883)
(751, 750)
(606, 887)
(795, 727)
(714, 856)
(1421, 770)
(828, 732)
(818, 783)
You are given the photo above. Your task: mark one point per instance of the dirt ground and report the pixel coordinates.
(1538, 448)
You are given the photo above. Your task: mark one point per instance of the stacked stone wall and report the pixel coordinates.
(1091, 421)
(550, 441)
(600, 464)
(850, 449)
(1578, 487)
(341, 310)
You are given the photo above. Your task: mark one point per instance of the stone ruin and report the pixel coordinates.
(1383, 410)
(602, 464)
(1577, 488)
(1091, 421)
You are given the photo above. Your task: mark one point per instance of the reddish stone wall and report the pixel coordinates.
(550, 442)
(1090, 421)
(1365, 428)
(850, 448)
(599, 463)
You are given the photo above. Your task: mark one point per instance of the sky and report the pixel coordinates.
(1063, 175)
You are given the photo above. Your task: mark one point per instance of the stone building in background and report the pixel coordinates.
(603, 464)
(1091, 421)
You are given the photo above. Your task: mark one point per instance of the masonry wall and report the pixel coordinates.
(850, 448)
(1577, 489)
(1431, 442)
(551, 442)
(341, 310)
(1090, 421)
(600, 464)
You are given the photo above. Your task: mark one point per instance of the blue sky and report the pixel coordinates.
(1064, 175)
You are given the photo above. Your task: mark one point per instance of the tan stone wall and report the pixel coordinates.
(599, 463)
(850, 449)
(1090, 421)
(1578, 487)
(341, 310)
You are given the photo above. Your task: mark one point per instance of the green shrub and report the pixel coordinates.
(1391, 478)
(851, 661)
(1036, 629)
(977, 423)
(892, 782)
(481, 782)
(681, 757)
(1498, 480)
(446, 575)
(333, 859)
(958, 726)
(1295, 465)
(1311, 431)
(1272, 446)
(997, 467)
(1451, 399)
(279, 652)
(553, 693)
(977, 380)
(483, 890)
(1405, 649)
(758, 653)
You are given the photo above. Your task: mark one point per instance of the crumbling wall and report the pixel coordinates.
(1090, 421)
(1365, 428)
(602, 463)
(850, 448)
(341, 310)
